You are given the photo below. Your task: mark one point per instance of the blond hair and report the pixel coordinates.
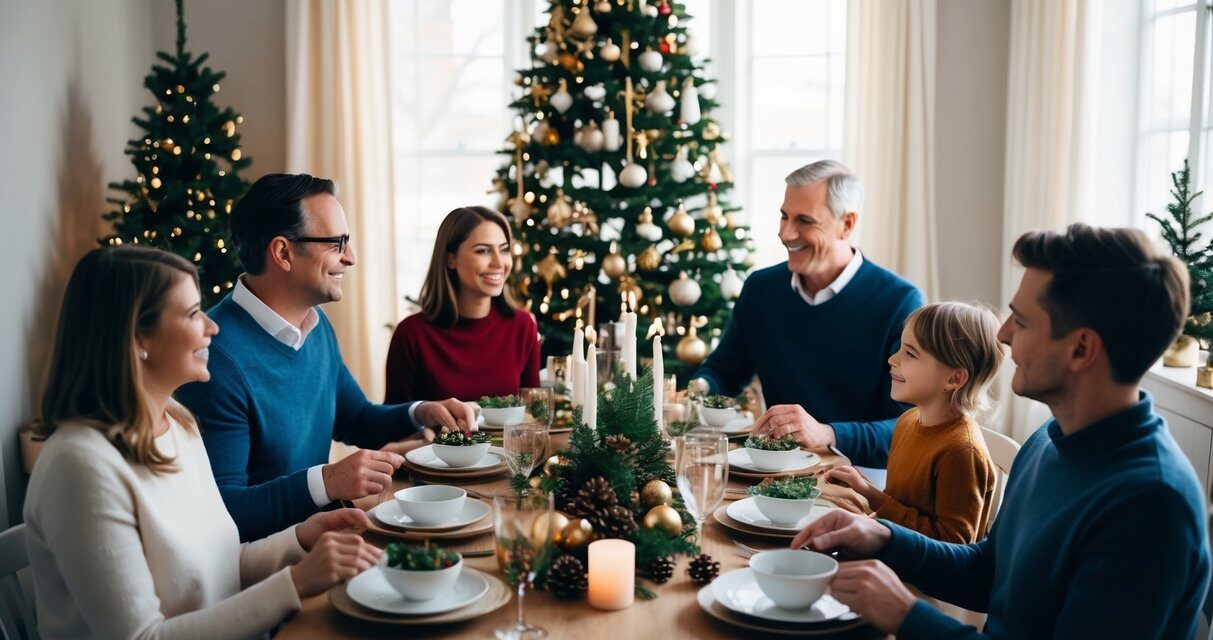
(114, 295)
(961, 336)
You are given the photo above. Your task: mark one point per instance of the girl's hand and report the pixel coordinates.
(850, 476)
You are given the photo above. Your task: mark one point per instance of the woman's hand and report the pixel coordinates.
(337, 557)
(309, 531)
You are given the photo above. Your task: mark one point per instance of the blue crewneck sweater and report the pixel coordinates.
(269, 413)
(1101, 534)
(830, 358)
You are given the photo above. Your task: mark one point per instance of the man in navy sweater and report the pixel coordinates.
(1102, 530)
(279, 392)
(818, 329)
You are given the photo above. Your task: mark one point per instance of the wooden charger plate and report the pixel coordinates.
(481, 526)
(722, 516)
(495, 598)
(709, 604)
(456, 476)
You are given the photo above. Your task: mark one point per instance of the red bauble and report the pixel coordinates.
(664, 47)
(664, 9)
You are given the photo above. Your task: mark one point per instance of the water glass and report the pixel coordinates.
(540, 403)
(527, 443)
(521, 527)
(702, 471)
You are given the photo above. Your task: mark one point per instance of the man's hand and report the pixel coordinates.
(854, 535)
(782, 419)
(450, 413)
(850, 476)
(871, 589)
(310, 530)
(360, 474)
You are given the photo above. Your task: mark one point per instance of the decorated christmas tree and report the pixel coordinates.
(187, 162)
(1179, 229)
(616, 183)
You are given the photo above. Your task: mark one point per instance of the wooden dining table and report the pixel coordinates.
(674, 613)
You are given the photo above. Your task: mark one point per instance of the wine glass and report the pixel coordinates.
(540, 403)
(527, 442)
(522, 524)
(702, 470)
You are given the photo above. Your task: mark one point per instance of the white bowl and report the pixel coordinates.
(461, 455)
(764, 460)
(783, 511)
(419, 586)
(503, 416)
(717, 418)
(431, 504)
(793, 578)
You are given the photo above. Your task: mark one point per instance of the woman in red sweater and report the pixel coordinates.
(469, 340)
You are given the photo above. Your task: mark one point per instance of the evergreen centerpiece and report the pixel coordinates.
(187, 162)
(1180, 232)
(616, 184)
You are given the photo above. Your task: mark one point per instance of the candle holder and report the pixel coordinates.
(611, 574)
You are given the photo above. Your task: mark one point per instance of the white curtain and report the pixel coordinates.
(1052, 89)
(338, 127)
(889, 136)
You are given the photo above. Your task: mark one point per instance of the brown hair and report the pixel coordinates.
(440, 293)
(961, 336)
(1114, 282)
(114, 295)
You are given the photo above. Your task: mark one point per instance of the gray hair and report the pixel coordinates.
(846, 193)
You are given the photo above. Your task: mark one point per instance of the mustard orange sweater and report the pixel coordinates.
(940, 479)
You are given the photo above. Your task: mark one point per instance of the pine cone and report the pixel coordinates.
(703, 569)
(620, 444)
(566, 578)
(596, 495)
(662, 570)
(613, 522)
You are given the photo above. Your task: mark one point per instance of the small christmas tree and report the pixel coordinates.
(186, 171)
(616, 184)
(1180, 231)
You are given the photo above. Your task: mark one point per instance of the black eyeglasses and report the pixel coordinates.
(341, 241)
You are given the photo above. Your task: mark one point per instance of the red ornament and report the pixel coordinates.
(712, 186)
(664, 47)
(664, 9)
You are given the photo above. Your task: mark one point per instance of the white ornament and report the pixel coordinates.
(690, 102)
(689, 46)
(591, 138)
(595, 92)
(610, 51)
(658, 101)
(650, 60)
(730, 285)
(547, 52)
(603, 7)
(611, 140)
(708, 90)
(648, 231)
(633, 175)
(561, 100)
(650, 11)
(681, 169)
(684, 291)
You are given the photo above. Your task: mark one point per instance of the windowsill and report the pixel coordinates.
(1181, 378)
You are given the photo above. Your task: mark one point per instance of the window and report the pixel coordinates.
(1174, 110)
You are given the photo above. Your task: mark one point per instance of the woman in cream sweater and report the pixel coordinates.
(127, 534)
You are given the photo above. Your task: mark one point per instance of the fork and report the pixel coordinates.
(746, 551)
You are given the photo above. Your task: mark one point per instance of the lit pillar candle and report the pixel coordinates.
(575, 381)
(611, 574)
(589, 409)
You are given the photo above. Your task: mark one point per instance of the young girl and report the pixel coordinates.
(470, 339)
(940, 477)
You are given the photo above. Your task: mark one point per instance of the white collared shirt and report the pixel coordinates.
(834, 287)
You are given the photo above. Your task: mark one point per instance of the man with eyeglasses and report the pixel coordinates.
(279, 392)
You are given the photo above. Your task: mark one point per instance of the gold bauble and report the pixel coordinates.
(663, 518)
(551, 137)
(550, 269)
(730, 222)
(692, 350)
(535, 482)
(648, 259)
(711, 131)
(681, 223)
(656, 492)
(570, 62)
(711, 241)
(614, 265)
(554, 465)
(576, 534)
(560, 212)
(540, 528)
(711, 212)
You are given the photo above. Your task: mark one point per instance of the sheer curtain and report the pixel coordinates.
(1050, 146)
(889, 134)
(338, 127)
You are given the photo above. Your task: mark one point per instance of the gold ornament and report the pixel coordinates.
(715, 171)
(681, 223)
(711, 131)
(711, 241)
(729, 221)
(542, 528)
(560, 212)
(539, 93)
(629, 290)
(570, 62)
(583, 25)
(711, 212)
(576, 534)
(691, 348)
(649, 259)
(656, 492)
(663, 518)
(554, 466)
(550, 269)
(551, 137)
(614, 265)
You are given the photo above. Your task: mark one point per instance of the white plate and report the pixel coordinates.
(424, 457)
(740, 458)
(389, 514)
(745, 512)
(371, 590)
(739, 592)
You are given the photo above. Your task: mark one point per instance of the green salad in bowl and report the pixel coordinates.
(420, 573)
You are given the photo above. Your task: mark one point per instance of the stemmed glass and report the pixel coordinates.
(522, 523)
(702, 470)
(527, 442)
(540, 403)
